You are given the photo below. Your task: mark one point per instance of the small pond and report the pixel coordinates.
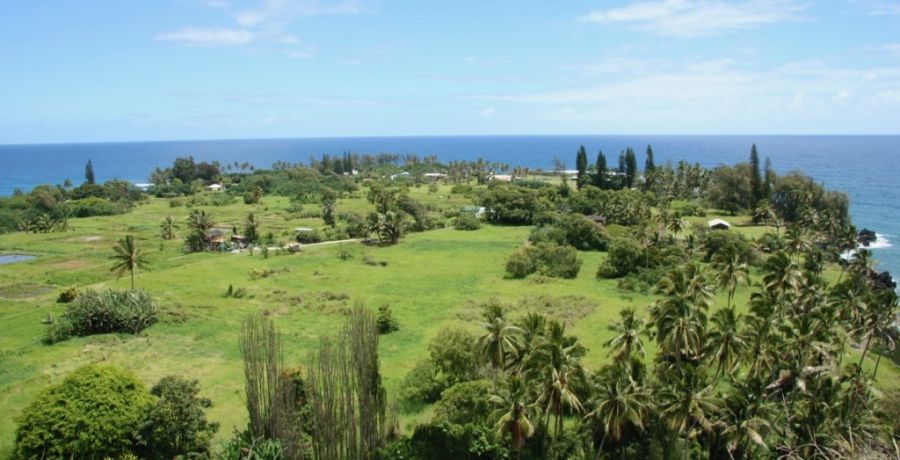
(13, 258)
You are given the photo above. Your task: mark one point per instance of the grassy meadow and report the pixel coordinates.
(430, 280)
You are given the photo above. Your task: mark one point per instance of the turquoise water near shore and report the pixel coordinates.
(866, 167)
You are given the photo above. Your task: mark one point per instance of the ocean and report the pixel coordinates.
(863, 166)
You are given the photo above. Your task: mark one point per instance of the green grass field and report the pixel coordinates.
(432, 280)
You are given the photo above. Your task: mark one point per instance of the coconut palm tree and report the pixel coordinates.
(167, 228)
(688, 406)
(512, 414)
(628, 332)
(199, 223)
(501, 338)
(620, 405)
(781, 276)
(724, 342)
(556, 363)
(731, 270)
(128, 258)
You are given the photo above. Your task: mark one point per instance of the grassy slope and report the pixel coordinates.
(431, 281)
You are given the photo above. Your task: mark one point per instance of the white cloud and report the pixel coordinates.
(697, 18)
(720, 96)
(265, 26)
(879, 7)
(282, 10)
(200, 37)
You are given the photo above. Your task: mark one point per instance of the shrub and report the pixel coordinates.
(452, 360)
(520, 264)
(103, 312)
(95, 412)
(625, 257)
(309, 237)
(221, 199)
(243, 445)
(548, 259)
(67, 296)
(557, 261)
(465, 402)
(177, 425)
(467, 221)
(93, 206)
(727, 242)
(385, 320)
(547, 234)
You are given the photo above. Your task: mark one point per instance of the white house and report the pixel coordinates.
(719, 224)
(215, 187)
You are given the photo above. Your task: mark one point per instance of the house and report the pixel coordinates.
(142, 186)
(215, 187)
(477, 211)
(215, 240)
(718, 224)
(434, 176)
(403, 174)
(502, 177)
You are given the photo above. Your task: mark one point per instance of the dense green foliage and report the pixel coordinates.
(94, 312)
(176, 424)
(548, 259)
(95, 412)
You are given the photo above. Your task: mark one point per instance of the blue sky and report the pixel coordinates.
(91, 70)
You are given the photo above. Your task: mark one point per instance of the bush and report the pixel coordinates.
(103, 312)
(243, 445)
(309, 237)
(385, 320)
(465, 402)
(67, 296)
(548, 259)
(452, 360)
(727, 242)
(625, 257)
(177, 425)
(93, 206)
(95, 412)
(520, 264)
(467, 221)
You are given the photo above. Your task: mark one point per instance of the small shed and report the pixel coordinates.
(216, 239)
(215, 187)
(719, 224)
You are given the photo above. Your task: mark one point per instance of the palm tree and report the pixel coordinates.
(619, 405)
(167, 228)
(500, 339)
(679, 318)
(628, 335)
(780, 276)
(688, 406)
(724, 342)
(746, 422)
(128, 258)
(512, 414)
(732, 270)
(199, 223)
(676, 224)
(557, 363)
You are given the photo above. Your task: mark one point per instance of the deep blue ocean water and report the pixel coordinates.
(865, 167)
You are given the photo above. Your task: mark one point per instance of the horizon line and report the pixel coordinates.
(412, 136)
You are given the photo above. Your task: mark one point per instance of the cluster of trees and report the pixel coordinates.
(48, 208)
(775, 381)
(184, 176)
(106, 412)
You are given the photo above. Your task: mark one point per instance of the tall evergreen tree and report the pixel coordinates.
(630, 168)
(649, 168)
(581, 164)
(89, 173)
(600, 174)
(620, 179)
(756, 182)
